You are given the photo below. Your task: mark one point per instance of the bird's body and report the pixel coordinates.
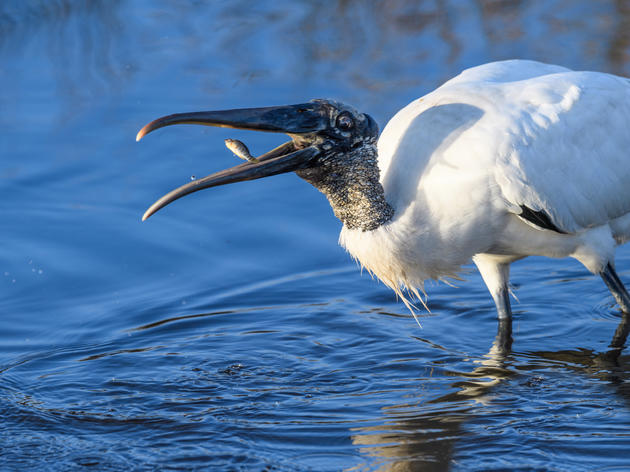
(460, 164)
(506, 160)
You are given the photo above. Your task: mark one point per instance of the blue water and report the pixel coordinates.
(229, 331)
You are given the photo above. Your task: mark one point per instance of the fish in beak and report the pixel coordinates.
(320, 130)
(301, 122)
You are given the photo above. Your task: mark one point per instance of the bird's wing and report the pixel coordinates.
(549, 144)
(564, 162)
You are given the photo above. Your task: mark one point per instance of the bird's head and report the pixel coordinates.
(324, 134)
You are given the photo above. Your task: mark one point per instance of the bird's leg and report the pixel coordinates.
(496, 273)
(503, 341)
(616, 287)
(502, 301)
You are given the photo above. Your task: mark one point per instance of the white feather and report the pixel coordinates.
(457, 164)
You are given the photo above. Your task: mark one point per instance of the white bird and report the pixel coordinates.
(507, 160)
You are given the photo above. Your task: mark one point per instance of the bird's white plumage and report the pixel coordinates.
(457, 164)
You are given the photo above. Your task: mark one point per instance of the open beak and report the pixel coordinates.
(305, 118)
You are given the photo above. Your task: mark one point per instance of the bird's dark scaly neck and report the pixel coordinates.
(351, 184)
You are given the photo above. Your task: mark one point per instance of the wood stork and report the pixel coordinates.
(506, 160)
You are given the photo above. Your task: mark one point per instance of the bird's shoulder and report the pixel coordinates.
(506, 71)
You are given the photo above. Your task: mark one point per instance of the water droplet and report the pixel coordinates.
(40, 271)
(192, 177)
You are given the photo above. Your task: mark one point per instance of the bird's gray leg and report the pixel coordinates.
(502, 302)
(503, 340)
(616, 287)
(496, 274)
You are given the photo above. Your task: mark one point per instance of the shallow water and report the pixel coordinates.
(230, 332)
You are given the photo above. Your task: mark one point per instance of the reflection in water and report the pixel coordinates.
(99, 45)
(82, 40)
(410, 440)
(619, 49)
(423, 436)
(621, 334)
(609, 366)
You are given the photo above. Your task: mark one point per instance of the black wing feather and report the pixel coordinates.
(540, 218)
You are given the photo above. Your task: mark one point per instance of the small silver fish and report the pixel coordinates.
(239, 149)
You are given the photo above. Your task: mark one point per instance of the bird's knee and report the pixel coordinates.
(596, 249)
(494, 271)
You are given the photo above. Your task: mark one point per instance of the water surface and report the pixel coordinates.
(230, 332)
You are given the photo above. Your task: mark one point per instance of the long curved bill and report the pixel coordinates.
(248, 171)
(298, 119)
(292, 119)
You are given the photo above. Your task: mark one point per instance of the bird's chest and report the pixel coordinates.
(403, 256)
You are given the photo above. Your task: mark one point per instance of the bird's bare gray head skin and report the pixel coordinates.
(347, 172)
(332, 146)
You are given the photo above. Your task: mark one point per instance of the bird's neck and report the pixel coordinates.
(351, 184)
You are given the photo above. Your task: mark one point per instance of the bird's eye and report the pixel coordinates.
(345, 122)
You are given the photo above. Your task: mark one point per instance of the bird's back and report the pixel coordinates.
(509, 134)
(460, 165)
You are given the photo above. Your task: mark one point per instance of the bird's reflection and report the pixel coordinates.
(621, 335)
(609, 366)
(414, 438)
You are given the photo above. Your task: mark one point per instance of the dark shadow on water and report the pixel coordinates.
(175, 319)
